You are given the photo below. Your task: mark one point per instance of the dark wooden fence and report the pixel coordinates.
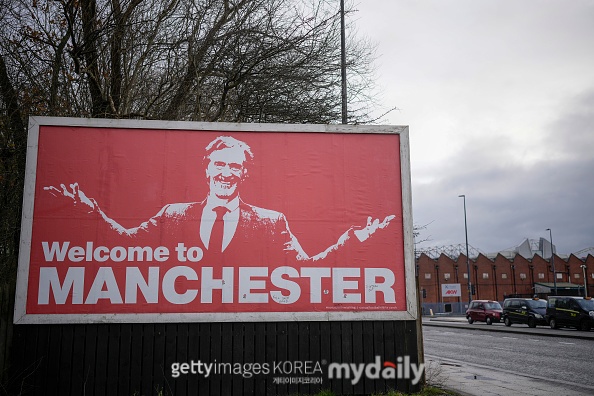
(135, 359)
(6, 315)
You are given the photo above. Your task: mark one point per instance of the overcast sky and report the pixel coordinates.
(499, 97)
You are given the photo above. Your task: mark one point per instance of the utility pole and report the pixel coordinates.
(467, 259)
(495, 279)
(585, 283)
(343, 63)
(513, 268)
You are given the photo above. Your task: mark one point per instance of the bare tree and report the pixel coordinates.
(206, 60)
(242, 60)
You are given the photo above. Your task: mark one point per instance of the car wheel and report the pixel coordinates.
(553, 323)
(584, 326)
(531, 322)
(470, 321)
(489, 320)
(507, 321)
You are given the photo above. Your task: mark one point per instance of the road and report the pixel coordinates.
(562, 360)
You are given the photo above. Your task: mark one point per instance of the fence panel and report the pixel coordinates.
(127, 359)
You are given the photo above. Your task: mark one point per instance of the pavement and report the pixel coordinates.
(472, 379)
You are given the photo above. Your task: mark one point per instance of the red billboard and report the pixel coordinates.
(131, 221)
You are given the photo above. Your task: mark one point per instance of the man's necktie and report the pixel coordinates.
(215, 245)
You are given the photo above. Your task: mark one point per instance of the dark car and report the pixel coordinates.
(567, 311)
(524, 310)
(484, 311)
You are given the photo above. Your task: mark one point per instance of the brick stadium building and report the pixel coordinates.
(501, 277)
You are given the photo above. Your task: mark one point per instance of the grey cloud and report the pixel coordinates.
(508, 201)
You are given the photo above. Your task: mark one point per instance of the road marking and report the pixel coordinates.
(510, 338)
(502, 349)
(567, 343)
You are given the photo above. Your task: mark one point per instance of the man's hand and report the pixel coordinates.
(372, 226)
(75, 198)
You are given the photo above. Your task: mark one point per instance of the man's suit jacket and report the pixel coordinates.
(262, 236)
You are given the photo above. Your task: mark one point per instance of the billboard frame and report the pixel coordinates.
(21, 317)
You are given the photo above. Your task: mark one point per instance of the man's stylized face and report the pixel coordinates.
(225, 172)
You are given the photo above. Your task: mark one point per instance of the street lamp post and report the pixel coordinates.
(458, 281)
(467, 259)
(438, 289)
(585, 284)
(513, 268)
(532, 279)
(495, 279)
(553, 261)
(476, 285)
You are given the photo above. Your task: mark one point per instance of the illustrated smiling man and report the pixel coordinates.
(228, 228)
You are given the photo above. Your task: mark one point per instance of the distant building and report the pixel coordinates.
(521, 271)
(528, 248)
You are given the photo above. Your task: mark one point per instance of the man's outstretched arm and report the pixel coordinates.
(361, 234)
(81, 205)
(352, 235)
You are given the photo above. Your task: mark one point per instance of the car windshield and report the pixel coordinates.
(588, 305)
(534, 304)
(493, 305)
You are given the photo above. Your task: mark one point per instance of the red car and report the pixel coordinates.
(484, 311)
